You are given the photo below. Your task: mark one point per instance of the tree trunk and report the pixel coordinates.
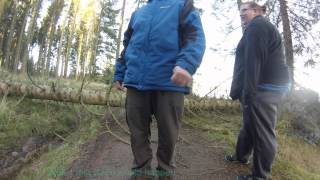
(64, 95)
(60, 58)
(287, 37)
(8, 49)
(96, 42)
(2, 6)
(87, 64)
(55, 17)
(59, 51)
(19, 45)
(71, 26)
(116, 99)
(41, 63)
(120, 29)
(79, 54)
(30, 34)
(87, 47)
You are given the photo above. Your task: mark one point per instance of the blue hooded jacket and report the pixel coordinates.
(152, 48)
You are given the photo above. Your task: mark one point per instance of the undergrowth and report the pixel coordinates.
(22, 118)
(295, 159)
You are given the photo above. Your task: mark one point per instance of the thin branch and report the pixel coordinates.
(62, 138)
(222, 82)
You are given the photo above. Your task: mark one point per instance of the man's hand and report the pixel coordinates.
(180, 76)
(118, 85)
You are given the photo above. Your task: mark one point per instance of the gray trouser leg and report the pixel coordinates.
(245, 142)
(168, 112)
(167, 108)
(138, 111)
(259, 123)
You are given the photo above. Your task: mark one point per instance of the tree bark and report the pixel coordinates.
(2, 6)
(55, 17)
(120, 29)
(59, 51)
(79, 57)
(21, 35)
(97, 32)
(71, 31)
(41, 64)
(116, 99)
(287, 33)
(30, 34)
(64, 95)
(7, 51)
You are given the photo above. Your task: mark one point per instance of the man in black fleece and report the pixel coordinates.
(260, 80)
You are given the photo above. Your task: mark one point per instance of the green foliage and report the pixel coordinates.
(23, 118)
(30, 118)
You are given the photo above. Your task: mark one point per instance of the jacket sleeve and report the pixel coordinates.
(255, 53)
(192, 50)
(237, 80)
(120, 65)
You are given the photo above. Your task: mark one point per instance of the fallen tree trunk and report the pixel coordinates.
(61, 94)
(100, 97)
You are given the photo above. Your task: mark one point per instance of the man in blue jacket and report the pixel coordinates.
(260, 79)
(163, 47)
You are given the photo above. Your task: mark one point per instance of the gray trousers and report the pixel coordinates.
(167, 108)
(258, 132)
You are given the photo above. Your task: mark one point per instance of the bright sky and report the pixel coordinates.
(216, 69)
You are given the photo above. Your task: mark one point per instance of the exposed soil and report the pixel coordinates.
(196, 158)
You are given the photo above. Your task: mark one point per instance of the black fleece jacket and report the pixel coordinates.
(259, 60)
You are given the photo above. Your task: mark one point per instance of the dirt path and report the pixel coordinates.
(196, 158)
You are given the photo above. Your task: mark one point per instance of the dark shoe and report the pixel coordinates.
(166, 178)
(164, 174)
(142, 178)
(142, 174)
(233, 158)
(249, 177)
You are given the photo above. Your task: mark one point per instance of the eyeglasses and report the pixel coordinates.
(245, 10)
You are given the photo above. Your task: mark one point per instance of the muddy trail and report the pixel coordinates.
(107, 157)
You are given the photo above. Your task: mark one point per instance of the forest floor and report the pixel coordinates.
(107, 157)
(84, 142)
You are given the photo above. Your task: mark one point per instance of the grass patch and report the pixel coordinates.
(55, 163)
(60, 82)
(218, 127)
(295, 159)
(24, 118)
(37, 118)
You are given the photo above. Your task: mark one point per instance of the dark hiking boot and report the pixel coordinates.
(249, 177)
(142, 178)
(164, 174)
(166, 178)
(233, 158)
(142, 174)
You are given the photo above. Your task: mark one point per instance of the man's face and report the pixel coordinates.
(247, 14)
